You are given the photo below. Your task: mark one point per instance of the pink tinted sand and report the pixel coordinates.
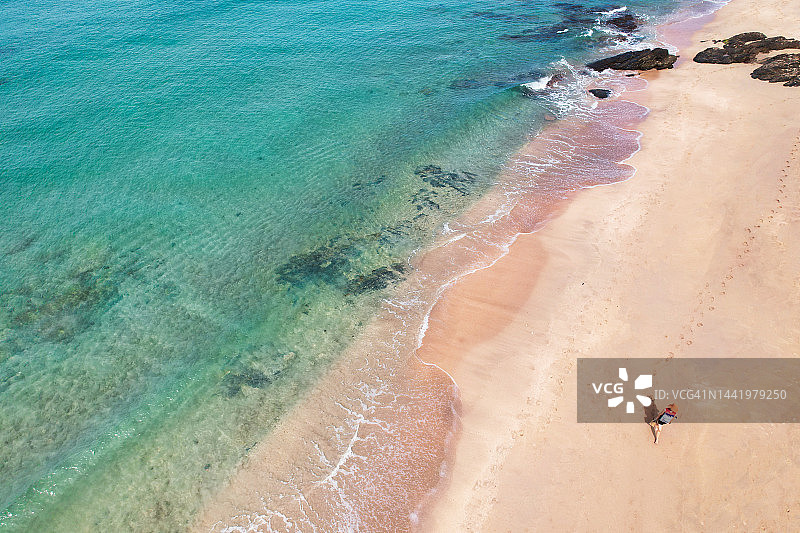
(368, 447)
(697, 256)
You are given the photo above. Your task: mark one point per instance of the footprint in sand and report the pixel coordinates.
(707, 295)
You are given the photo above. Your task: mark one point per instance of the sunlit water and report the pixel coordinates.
(203, 203)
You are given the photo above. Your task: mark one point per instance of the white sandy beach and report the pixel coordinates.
(698, 255)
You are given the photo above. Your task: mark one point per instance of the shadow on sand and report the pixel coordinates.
(650, 414)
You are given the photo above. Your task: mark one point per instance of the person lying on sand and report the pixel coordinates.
(665, 417)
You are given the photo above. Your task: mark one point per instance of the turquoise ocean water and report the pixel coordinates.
(203, 202)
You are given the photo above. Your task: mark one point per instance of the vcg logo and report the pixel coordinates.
(644, 381)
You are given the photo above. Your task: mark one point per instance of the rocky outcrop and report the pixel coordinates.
(627, 23)
(783, 68)
(742, 38)
(601, 93)
(575, 19)
(656, 58)
(713, 55)
(744, 48)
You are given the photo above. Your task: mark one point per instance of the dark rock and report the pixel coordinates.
(527, 91)
(713, 55)
(627, 23)
(746, 53)
(522, 77)
(742, 38)
(744, 48)
(656, 58)
(601, 93)
(783, 68)
(555, 79)
(535, 87)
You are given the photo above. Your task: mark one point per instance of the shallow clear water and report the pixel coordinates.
(204, 202)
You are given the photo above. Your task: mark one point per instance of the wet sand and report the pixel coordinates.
(698, 255)
(367, 448)
(694, 256)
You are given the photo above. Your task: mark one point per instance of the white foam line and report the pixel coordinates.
(505, 248)
(502, 211)
(440, 368)
(613, 11)
(424, 326)
(453, 239)
(345, 456)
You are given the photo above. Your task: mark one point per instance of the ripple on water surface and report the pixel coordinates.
(204, 205)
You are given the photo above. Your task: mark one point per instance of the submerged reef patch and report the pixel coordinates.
(425, 199)
(60, 313)
(323, 263)
(356, 264)
(337, 265)
(577, 18)
(24, 243)
(256, 367)
(378, 279)
(498, 81)
(360, 185)
(233, 382)
(463, 182)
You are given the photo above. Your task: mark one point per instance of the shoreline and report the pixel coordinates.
(244, 501)
(669, 263)
(318, 459)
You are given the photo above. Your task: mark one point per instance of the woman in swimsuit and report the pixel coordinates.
(665, 417)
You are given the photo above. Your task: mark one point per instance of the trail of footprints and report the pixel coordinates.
(707, 297)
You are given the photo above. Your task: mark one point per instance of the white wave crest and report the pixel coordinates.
(613, 11)
(538, 85)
